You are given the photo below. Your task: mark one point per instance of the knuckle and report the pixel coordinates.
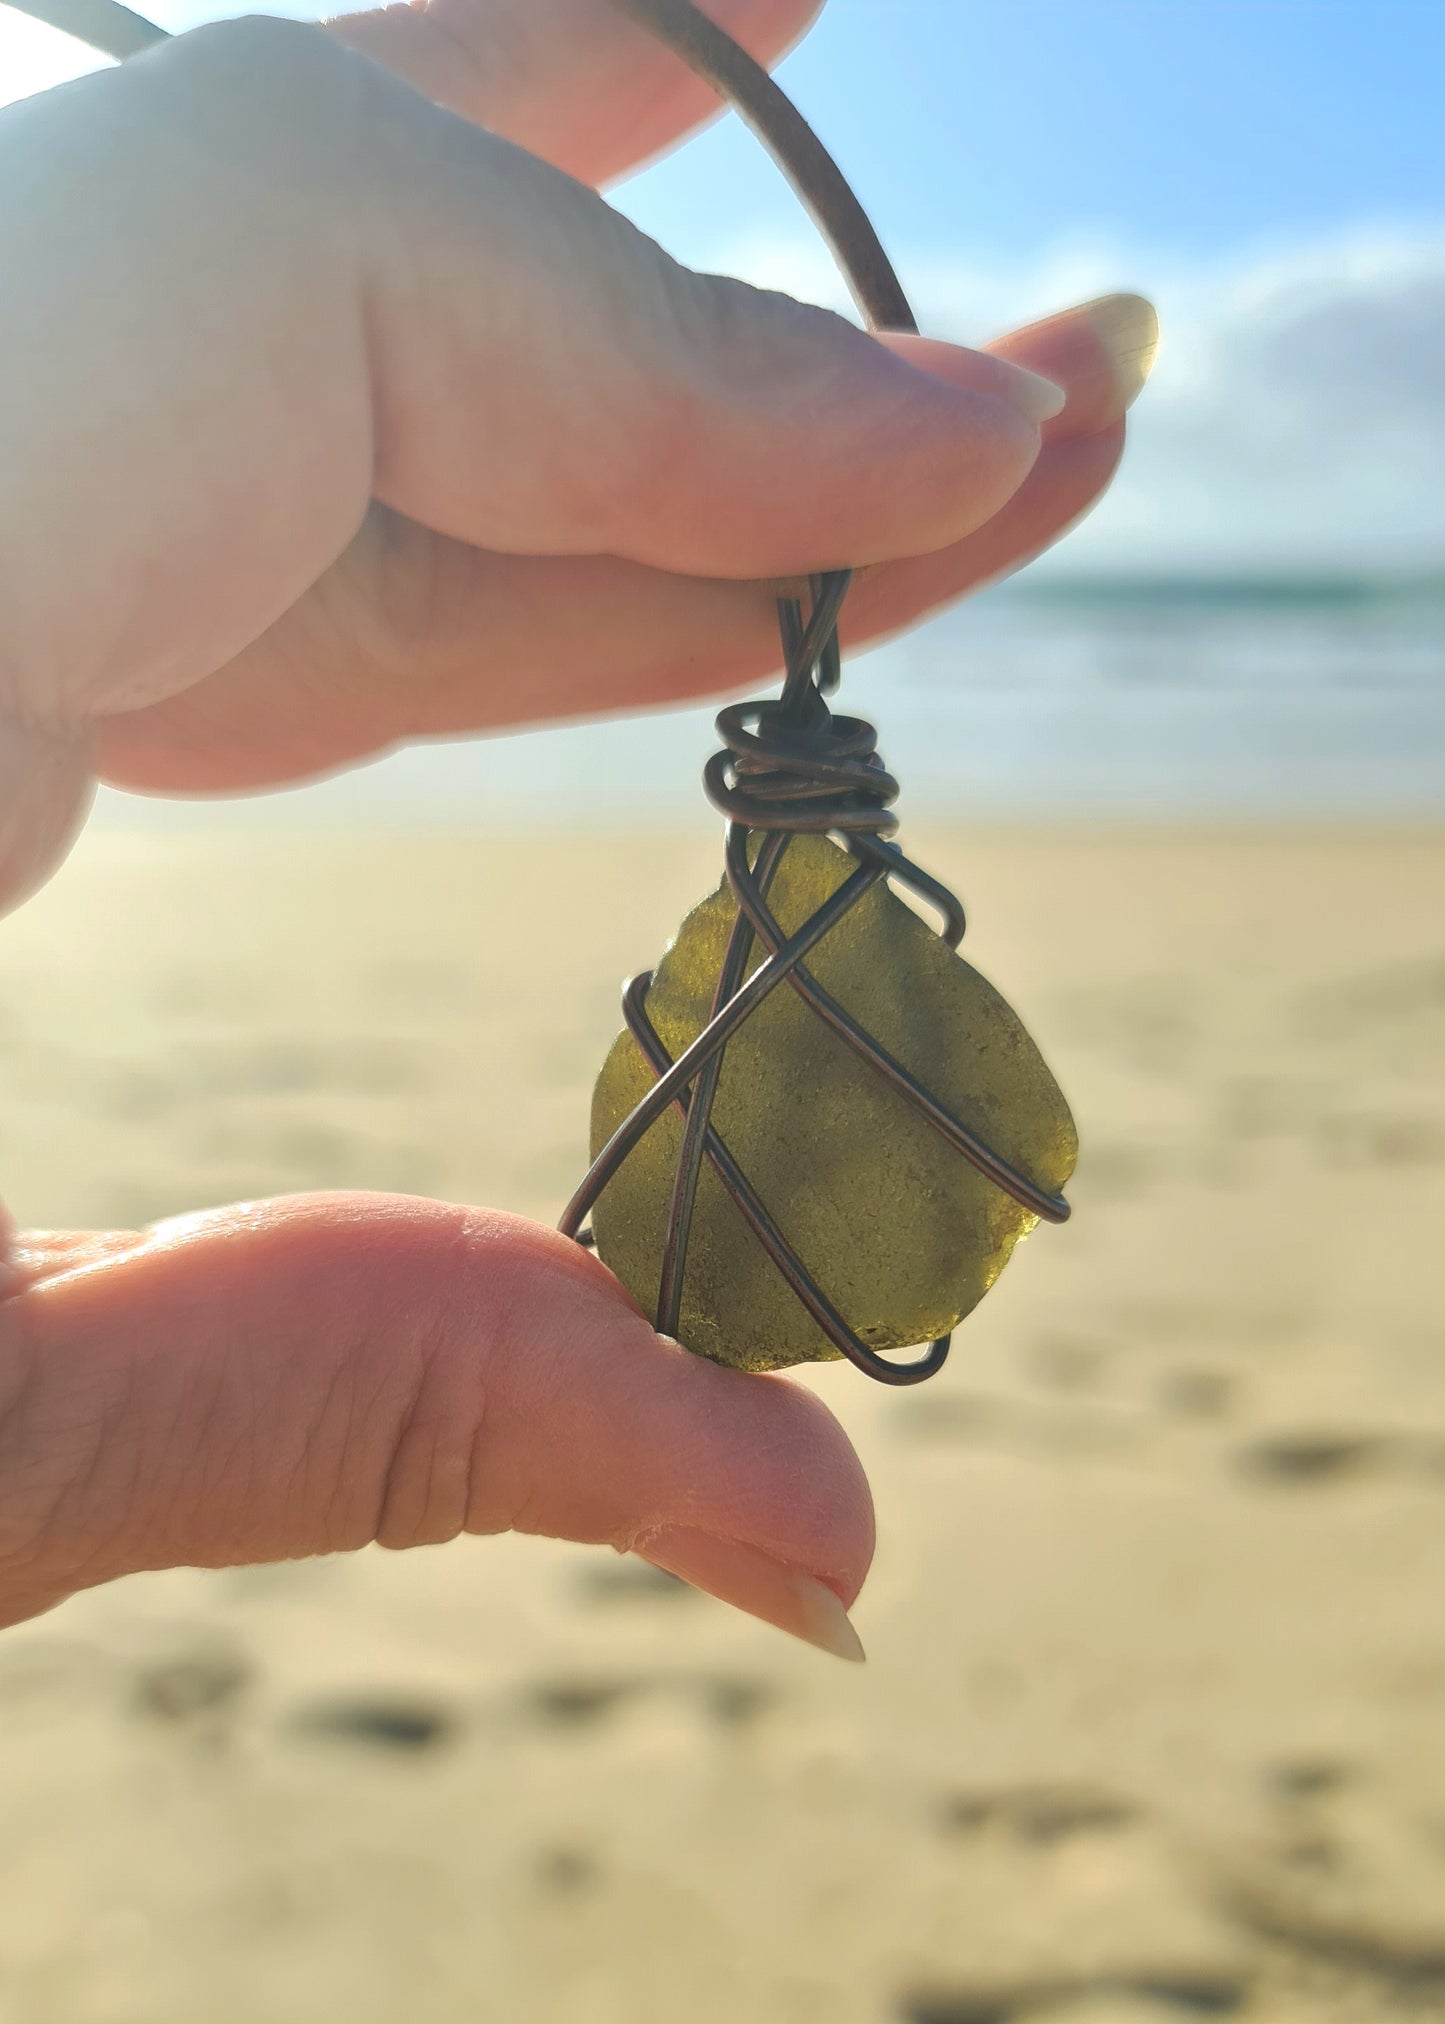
(429, 1458)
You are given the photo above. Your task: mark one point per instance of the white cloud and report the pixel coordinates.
(1296, 417)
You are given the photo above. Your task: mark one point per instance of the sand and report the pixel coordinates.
(1154, 1719)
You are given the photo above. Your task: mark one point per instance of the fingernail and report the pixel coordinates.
(1036, 398)
(1128, 329)
(755, 1582)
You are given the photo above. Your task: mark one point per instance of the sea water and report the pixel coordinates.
(1253, 697)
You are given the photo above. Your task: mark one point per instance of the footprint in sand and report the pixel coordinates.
(1383, 1139)
(956, 1416)
(735, 1703)
(1069, 1363)
(396, 1724)
(1316, 1459)
(1302, 1780)
(577, 1703)
(1099, 2000)
(1037, 1814)
(1072, 1901)
(190, 1676)
(726, 1701)
(1346, 1873)
(1195, 1392)
(1313, 1459)
(566, 1872)
(183, 1689)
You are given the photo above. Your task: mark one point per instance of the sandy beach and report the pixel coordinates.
(1154, 1721)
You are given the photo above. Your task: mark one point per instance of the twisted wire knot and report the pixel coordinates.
(778, 775)
(789, 764)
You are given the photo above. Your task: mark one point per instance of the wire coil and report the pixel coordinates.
(790, 764)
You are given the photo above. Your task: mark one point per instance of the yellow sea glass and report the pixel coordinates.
(900, 1231)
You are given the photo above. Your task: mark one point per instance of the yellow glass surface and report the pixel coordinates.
(900, 1231)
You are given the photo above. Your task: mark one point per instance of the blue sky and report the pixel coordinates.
(1193, 126)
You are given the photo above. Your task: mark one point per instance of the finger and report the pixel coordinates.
(412, 637)
(321, 288)
(575, 81)
(311, 1375)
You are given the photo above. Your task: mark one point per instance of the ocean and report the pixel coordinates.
(1257, 698)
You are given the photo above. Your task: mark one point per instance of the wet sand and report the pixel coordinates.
(1154, 1721)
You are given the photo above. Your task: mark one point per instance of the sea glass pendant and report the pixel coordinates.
(821, 1133)
(905, 1235)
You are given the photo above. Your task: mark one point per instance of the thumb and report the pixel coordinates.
(310, 1375)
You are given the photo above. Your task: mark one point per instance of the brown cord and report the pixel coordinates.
(740, 81)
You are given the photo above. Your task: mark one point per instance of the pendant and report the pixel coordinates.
(822, 1132)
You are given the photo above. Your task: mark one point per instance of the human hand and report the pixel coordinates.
(331, 419)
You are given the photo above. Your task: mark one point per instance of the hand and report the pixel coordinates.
(330, 419)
